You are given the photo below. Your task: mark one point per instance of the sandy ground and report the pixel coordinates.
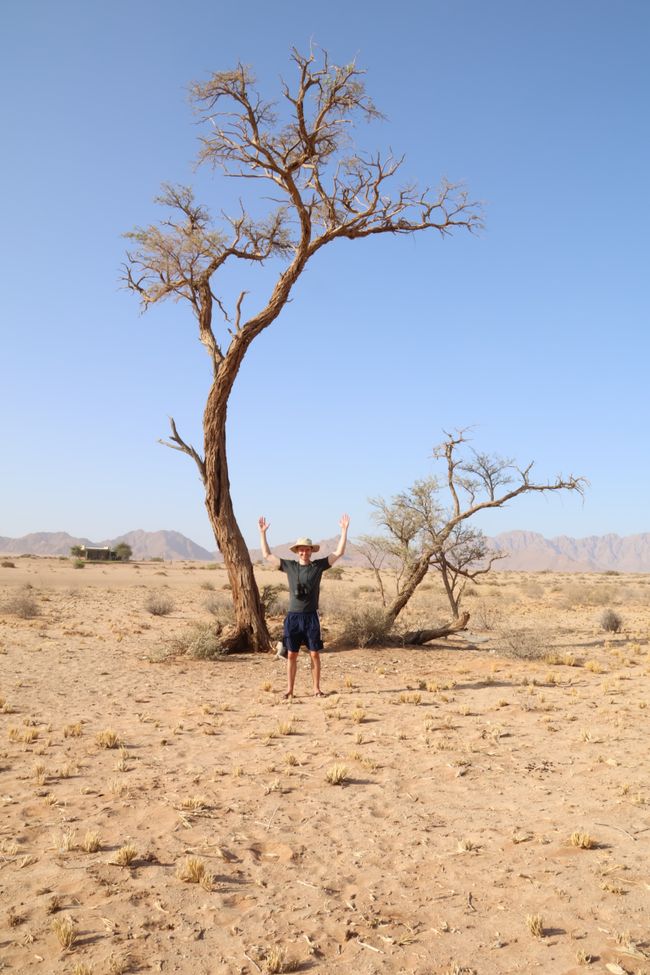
(450, 846)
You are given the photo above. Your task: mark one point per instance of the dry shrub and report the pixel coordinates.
(611, 622)
(63, 928)
(200, 642)
(535, 924)
(276, 962)
(487, 615)
(270, 597)
(158, 604)
(221, 609)
(193, 871)
(367, 627)
(22, 604)
(107, 738)
(125, 855)
(337, 774)
(6, 564)
(523, 644)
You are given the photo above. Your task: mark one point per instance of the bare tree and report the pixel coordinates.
(323, 189)
(427, 526)
(466, 556)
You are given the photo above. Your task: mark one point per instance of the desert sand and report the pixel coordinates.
(165, 814)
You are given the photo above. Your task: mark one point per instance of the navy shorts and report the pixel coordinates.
(302, 628)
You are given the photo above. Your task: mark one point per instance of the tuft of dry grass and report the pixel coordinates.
(91, 842)
(193, 871)
(194, 802)
(535, 925)
(582, 840)
(125, 855)
(54, 904)
(337, 774)
(276, 962)
(107, 738)
(64, 929)
(73, 730)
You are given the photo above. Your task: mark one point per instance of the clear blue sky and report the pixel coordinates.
(534, 332)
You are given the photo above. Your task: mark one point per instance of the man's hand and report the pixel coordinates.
(340, 548)
(266, 551)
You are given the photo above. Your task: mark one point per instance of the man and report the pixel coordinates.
(301, 625)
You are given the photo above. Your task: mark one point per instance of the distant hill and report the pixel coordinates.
(525, 551)
(168, 545)
(528, 551)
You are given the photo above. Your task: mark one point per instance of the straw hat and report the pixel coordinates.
(305, 543)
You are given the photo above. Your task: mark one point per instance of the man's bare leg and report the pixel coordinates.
(292, 666)
(315, 671)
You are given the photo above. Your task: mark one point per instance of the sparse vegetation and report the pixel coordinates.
(523, 644)
(107, 738)
(159, 604)
(611, 622)
(366, 626)
(64, 929)
(535, 925)
(200, 642)
(23, 604)
(125, 855)
(337, 774)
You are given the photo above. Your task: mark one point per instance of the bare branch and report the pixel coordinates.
(179, 444)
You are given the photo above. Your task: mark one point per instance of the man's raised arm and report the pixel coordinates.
(340, 548)
(266, 551)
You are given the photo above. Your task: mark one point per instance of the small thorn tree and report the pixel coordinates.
(322, 189)
(427, 527)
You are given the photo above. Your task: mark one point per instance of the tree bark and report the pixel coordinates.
(418, 637)
(250, 631)
(413, 580)
(449, 589)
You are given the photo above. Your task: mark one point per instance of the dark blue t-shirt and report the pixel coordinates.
(304, 583)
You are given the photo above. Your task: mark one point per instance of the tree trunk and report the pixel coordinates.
(418, 637)
(449, 589)
(250, 631)
(415, 577)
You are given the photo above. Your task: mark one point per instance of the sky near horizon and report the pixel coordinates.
(534, 332)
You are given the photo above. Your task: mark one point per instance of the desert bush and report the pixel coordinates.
(487, 615)
(611, 622)
(22, 604)
(6, 564)
(522, 644)
(78, 563)
(221, 609)
(366, 627)
(336, 572)
(158, 604)
(201, 642)
(270, 596)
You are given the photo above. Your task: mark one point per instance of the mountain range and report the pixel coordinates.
(524, 551)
